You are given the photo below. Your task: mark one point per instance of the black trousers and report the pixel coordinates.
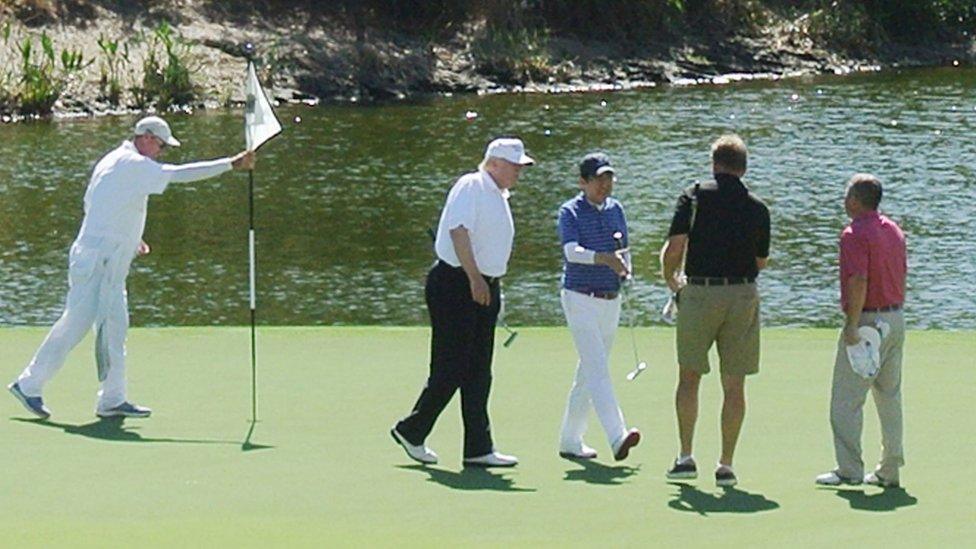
(461, 347)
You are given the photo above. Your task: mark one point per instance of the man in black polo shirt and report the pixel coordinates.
(725, 230)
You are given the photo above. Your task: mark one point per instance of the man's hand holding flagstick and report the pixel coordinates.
(243, 160)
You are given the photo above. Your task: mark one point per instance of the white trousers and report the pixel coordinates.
(593, 323)
(97, 271)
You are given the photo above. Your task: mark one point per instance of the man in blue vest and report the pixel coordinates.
(593, 233)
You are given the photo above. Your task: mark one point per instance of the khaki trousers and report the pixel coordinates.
(849, 393)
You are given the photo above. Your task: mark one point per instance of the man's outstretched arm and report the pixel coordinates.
(195, 171)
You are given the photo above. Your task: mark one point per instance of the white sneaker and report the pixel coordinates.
(833, 478)
(875, 479)
(494, 459)
(579, 451)
(418, 453)
(126, 409)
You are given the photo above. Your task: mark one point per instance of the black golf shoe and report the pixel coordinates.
(683, 470)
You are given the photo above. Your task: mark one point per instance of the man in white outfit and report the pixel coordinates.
(593, 232)
(98, 264)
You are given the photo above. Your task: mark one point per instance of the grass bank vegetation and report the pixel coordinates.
(35, 72)
(510, 41)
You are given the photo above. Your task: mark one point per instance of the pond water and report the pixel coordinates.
(345, 196)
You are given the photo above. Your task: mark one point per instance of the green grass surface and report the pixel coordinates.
(331, 476)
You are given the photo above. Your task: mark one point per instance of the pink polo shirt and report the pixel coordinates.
(874, 246)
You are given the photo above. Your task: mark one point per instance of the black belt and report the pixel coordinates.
(885, 309)
(720, 280)
(598, 294)
(491, 280)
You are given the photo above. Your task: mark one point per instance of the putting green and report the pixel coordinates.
(323, 470)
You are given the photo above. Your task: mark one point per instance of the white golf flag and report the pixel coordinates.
(260, 122)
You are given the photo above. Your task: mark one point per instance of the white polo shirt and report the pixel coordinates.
(119, 189)
(480, 206)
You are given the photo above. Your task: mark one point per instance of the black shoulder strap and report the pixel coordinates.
(694, 207)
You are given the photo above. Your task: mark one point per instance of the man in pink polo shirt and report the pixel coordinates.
(873, 265)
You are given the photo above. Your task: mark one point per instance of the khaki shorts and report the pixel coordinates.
(728, 315)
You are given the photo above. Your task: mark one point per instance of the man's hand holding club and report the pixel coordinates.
(616, 260)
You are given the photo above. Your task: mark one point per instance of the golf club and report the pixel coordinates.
(669, 314)
(512, 334)
(618, 237)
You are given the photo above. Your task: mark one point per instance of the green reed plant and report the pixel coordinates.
(167, 72)
(115, 57)
(44, 74)
(6, 74)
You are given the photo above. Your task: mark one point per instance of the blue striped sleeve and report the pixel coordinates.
(568, 226)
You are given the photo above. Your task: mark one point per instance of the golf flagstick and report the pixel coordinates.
(252, 283)
(260, 125)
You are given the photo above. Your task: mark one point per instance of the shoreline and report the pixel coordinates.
(302, 59)
(654, 330)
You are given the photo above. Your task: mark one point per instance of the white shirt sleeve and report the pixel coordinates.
(195, 171)
(460, 209)
(578, 254)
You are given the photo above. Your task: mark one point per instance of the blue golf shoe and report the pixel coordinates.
(34, 405)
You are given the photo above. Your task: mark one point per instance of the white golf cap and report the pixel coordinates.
(158, 127)
(510, 149)
(865, 356)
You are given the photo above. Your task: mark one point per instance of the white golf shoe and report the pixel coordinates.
(875, 479)
(416, 452)
(494, 459)
(833, 478)
(126, 409)
(578, 451)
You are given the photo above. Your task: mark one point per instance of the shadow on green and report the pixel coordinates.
(731, 500)
(113, 429)
(597, 473)
(889, 499)
(248, 446)
(468, 478)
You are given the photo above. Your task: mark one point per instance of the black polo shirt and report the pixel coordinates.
(731, 228)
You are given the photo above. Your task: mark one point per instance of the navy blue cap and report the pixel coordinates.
(595, 164)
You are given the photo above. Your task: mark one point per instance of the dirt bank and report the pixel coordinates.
(309, 57)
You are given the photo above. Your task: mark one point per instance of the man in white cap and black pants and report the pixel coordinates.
(473, 245)
(98, 264)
